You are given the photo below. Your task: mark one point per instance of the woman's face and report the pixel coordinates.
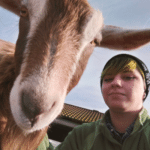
(123, 92)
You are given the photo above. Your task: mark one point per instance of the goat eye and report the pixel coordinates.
(23, 12)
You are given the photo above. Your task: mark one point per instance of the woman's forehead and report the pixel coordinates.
(114, 71)
(124, 66)
(131, 71)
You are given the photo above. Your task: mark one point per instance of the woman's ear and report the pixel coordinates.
(144, 85)
(144, 95)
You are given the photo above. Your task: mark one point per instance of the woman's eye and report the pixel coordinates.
(108, 79)
(129, 78)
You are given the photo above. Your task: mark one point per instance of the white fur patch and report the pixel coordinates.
(15, 104)
(91, 30)
(37, 10)
(93, 27)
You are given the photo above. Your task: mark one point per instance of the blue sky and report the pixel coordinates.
(133, 14)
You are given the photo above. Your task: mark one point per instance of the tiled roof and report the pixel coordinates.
(79, 114)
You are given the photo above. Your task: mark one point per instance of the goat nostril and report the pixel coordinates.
(53, 105)
(30, 109)
(27, 105)
(34, 109)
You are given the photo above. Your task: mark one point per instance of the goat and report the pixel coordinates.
(56, 39)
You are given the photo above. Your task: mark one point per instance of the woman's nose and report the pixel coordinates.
(117, 81)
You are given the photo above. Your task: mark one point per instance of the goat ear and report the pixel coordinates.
(13, 5)
(122, 39)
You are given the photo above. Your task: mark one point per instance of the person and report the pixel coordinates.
(124, 83)
(45, 144)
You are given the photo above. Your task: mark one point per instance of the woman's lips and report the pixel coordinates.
(116, 93)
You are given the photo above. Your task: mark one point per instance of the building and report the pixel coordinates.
(70, 117)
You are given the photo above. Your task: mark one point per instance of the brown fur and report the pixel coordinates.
(71, 16)
(11, 136)
(81, 65)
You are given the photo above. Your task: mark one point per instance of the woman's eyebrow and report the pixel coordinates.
(127, 71)
(109, 74)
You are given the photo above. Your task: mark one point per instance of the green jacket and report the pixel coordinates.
(96, 136)
(45, 144)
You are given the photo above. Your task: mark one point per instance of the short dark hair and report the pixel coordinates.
(126, 62)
